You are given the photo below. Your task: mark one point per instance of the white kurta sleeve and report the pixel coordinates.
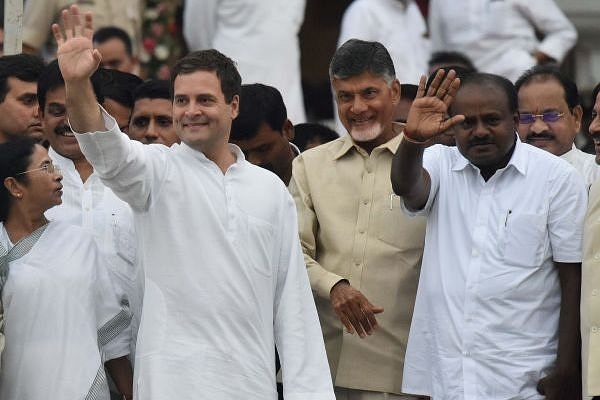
(559, 33)
(298, 336)
(129, 168)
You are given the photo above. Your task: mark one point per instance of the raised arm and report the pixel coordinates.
(427, 118)
(78, 60)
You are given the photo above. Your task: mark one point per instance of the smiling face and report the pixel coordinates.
(152, 122)
(546, 96)
(487, 134)
(19, 112)
(365, 106)
(56, 129)
(201, 115)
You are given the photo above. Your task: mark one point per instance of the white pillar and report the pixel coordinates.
(13, 26)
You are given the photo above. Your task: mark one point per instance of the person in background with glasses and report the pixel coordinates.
(60, 304)
(550, 117)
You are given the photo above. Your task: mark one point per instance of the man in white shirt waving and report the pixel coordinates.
(497, 306)
(224, 276)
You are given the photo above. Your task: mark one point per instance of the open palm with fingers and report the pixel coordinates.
(76, 55)
(428, 115)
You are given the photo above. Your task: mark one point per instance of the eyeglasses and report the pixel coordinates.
(49, 168)
(548, 117)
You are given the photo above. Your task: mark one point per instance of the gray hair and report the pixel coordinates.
(355, 57)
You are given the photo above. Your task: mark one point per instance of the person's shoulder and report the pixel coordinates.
(324, 151)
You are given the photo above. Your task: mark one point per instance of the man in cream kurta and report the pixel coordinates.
(590, 296)
(360, 250)
(224, 277)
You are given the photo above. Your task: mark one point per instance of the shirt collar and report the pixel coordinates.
(347, 143)
(518, 159)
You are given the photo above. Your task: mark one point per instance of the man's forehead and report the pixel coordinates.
(13, 82)
(359, 82)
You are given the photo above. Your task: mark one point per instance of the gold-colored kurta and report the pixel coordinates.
(351, 227)
(590, 295)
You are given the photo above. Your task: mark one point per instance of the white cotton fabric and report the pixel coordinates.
(55, 299)
(400, 28)
(224, 275)
(260, 36)
(500, 36)
(584, 163)
(485, 324)
(94, 207)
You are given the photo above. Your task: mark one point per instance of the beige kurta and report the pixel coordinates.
(351, 227)
(590, 295)
(39, 15)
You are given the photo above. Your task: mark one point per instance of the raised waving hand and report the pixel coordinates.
(428, 116)
(76, 55)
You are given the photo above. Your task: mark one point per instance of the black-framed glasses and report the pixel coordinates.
(548, 117)
(50, 168)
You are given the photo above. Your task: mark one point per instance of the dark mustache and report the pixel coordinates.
(62, 129)
(543, 135)
(478, 141)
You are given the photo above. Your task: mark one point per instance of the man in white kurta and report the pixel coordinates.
(500, 36)
(224, 273)
(260, 36)
(225, 279)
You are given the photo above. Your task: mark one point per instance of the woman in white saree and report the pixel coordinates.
(62, 316)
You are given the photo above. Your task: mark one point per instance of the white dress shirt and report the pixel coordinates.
(401, 29)
(56, 298)
(485, 324)
(260, 36)
(584, 163)
(225, 280)
(499, 36)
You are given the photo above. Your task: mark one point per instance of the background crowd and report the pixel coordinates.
(130, 132)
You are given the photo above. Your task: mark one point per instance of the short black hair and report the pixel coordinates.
(357, 56)
(212, 61)
(452, 58)
(595, 93)
(408, 91)
(460, 73)
(306, 132)
(112, 32)
(15, 156)
(51, 78)
(153, 89)
(119, 86)
(497, 81)
(258, 103)
(546, 72)
(25, 67)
